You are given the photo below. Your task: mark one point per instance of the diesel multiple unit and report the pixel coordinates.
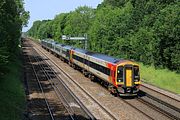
(120, 76)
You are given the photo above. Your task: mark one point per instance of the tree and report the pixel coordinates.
(13, 17)
(144, 30)
(167, 29)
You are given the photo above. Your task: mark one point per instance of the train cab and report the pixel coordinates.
(128, 78)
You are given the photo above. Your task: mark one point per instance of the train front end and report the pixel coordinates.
(127, 79)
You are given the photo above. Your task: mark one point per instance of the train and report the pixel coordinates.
(120, 76)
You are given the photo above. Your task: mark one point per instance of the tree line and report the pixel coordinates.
(12, 18)
(144, 30)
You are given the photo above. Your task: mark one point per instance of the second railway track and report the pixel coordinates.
(99, 108)
(74, 113)
(39, 103)
(99, 112)
(43, 72)
(148, 111)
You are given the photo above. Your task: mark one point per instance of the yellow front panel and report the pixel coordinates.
(128, 77)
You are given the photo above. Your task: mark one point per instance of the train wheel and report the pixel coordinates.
(92, 77)
(113, 90)
(85, 72)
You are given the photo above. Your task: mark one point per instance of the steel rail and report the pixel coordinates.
(145, 102)
(39, 84)
(162, 102)
(161, 93)
(71, 112)
(74, 97)
(136, 108)
(64, 72)
(162, 111)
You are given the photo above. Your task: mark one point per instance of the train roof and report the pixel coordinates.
(95, 55)
(80, 50)
(54, 42)
(48, 40)
(59, 45)
(99, 56)
(104, 57)
(67, 47)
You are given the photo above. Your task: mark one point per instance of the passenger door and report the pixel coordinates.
(128, 76)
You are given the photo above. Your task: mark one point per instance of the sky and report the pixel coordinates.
(48, 9)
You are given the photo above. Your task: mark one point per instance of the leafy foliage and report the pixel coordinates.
(13, 17)
(167, 28)
(143, 30)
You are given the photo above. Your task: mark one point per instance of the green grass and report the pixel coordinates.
(162, 78)
(12, 100)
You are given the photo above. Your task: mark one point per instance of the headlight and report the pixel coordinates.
(120, 80)
(136, 80)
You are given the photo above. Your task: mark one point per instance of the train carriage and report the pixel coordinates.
(121, 76)
(98, 65)
(66, 52)
(58, 49)
(48, 44)
(79, 57)
(44, 43)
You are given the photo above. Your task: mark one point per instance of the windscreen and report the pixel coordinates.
(120, 74)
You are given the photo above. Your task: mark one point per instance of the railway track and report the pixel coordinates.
(164, 108)
(42, 90)
(73, 112)
(158, 111)
(44, 102)
(42, 72)
(132, 104)
(66, 102)
(155, 104)
(171, 97)
(49, 74)
(72, 81)
(163, 103)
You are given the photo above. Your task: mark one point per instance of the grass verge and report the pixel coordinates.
(12, 94)
(162, 78)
